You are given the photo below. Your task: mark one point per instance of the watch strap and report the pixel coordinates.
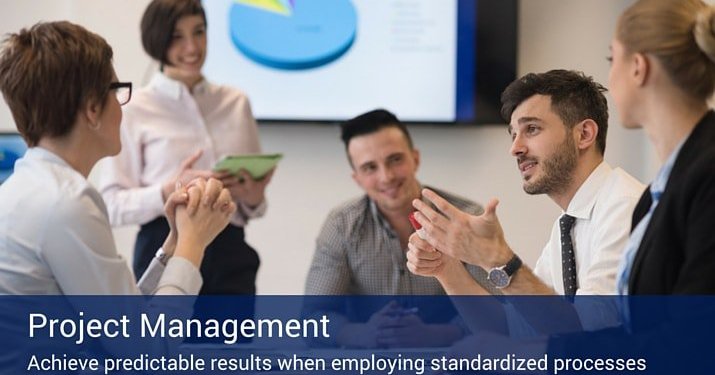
(512, 265)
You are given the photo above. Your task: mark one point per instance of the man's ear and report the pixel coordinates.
(587, 132)
(641, 68)
(353, 171)
(416, 157)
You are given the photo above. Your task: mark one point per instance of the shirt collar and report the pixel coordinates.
(582, 203)
(379, 219)
(173, 88)
(42, 154)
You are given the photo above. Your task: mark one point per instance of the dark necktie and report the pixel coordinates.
(568, 258)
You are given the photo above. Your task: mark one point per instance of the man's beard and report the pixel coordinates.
(557, 170)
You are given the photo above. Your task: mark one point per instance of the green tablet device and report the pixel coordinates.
(256, 165)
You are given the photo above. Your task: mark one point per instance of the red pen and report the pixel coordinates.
(417, 226)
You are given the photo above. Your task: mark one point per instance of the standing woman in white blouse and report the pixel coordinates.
(55, 237)
(175, 129)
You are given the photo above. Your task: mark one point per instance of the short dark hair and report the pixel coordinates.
(49, 73)
(574, 97)
(371, 122)
(159, 21)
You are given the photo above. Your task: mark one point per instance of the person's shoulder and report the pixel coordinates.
(462, 203)
(700, 171)
(226, 92)
(53, 193)
(145, 102)
(350, 211)
(142, 95)
(349, 219)
(55, 179)
(622, 184)
(697, 156)
(230, 97)
(619, 195)
(698, 150)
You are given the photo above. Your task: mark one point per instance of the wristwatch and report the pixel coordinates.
(500, 277)
(162, 256)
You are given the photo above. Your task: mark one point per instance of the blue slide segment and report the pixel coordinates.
(466, 60)
(311, 34)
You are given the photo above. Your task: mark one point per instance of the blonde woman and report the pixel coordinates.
(662, 76)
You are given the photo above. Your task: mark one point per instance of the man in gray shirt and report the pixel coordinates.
(361, 247)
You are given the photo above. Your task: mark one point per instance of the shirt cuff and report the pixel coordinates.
(180, 277)
(155, 199)
(254, 212)
(149, 280)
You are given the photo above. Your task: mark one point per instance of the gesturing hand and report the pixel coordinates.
(477, 240)
(185, 174)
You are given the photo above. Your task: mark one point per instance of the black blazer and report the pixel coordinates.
(677, 254)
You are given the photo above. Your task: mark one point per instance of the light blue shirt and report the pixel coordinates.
(55, 238)
(656, 190)
(624, 270)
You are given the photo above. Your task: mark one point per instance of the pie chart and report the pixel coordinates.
(293, 34)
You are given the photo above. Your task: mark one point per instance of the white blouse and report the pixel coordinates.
(162, 125)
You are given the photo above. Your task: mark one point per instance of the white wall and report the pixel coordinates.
(314, 176)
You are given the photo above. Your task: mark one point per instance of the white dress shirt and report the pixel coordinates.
(603, 207)
(162, 125)
(55, 238)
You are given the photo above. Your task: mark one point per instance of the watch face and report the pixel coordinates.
(499, 278)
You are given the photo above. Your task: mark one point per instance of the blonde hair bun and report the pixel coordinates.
(704, 31)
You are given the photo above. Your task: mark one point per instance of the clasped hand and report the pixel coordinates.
(197, 213)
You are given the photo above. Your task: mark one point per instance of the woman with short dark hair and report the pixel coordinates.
(175, 129)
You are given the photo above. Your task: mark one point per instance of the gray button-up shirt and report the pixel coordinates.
(358, 253)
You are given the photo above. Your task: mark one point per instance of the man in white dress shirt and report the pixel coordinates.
(558, 124)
